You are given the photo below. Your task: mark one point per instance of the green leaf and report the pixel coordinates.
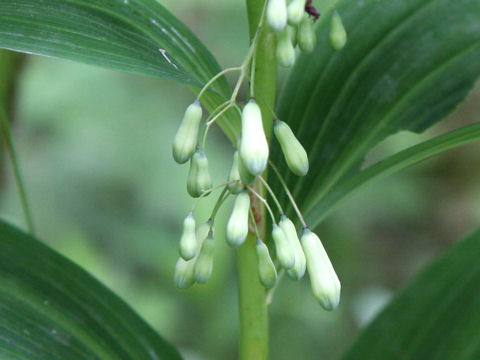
(137, 36)
(436, 317)
(389, 166)
(406, 65)
(52, 309)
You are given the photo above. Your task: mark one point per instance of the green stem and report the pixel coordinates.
(253, 308)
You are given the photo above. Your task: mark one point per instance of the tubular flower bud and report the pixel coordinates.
(188, 241)
(266, 269)
(277, 14)
(323, 279)
(294, 153)
(234, 175)
(295, 11)
(338, 35)
(204, 264)
(285, 253)
(253, 144)
(237, 226)
(186, 137)
(245, 175)
(285, 48)
(298, 270)
(199, 179)
(307, 39)
(184, 270)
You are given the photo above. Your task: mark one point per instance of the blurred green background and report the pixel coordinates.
(95, 151)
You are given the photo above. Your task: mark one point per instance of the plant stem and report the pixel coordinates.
(253, 308)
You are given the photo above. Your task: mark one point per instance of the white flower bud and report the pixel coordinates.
(294, 153)
(295, 11)
(285, 253)
(285, 48)
(237, 226)
(277, 14)
(204, 264)
(188, 241)
(198, 180)
(288, 228)
(266, 269)
(185, 140)
(307, 39)
(234, 175)
(253, 143)
(323, 279)
(338, 35)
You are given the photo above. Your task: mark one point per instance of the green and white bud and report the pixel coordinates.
(198, 180)
(277, 14)
(204, 263)
(184, 270)
(185, 140)
(183, 276)
(188, 241)
(323, 279)
(285, 253)
(266, 269)
(237, 226)
(285, 48)
(245, 175)
(234, 175)
(295, 11)
(288, 228)
(253, 143)
(307, 39)
(294, 153)
(338, 35)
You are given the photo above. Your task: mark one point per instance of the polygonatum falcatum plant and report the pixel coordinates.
(357, 71)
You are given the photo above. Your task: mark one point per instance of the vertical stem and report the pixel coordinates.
(253, 308)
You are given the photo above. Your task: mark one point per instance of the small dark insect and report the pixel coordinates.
(311, 10)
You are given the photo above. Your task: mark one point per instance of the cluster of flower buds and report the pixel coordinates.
(293, 24)
(294, 255)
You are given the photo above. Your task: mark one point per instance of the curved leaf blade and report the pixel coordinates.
(52, 309)
(436, 317)
(406, 65)
(391, 165)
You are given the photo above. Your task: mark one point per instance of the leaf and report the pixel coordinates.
(389, 166)
(52, 309)
(137, 36)
(406, 65)
(436, 317)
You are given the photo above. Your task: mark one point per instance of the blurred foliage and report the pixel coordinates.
(95, 150)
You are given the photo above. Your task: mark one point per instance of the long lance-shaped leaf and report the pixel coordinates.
(389, 166)
(137, 36)
(436, 317)
(406, 65)
(51, 309)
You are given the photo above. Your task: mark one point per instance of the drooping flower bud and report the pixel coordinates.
(288, 228)
(307, 39)
(204, 264)
(234, 175)
(294, 153)
(323, 279)
(285, 48)
(185, 140)
(338, 35)
(245, 175)
(199, 179)
(277, 14)
(266, 269)
(253, 143)
(285, 253)
(184, 270)
(237, 226)
(188, 242)
(295, 11)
